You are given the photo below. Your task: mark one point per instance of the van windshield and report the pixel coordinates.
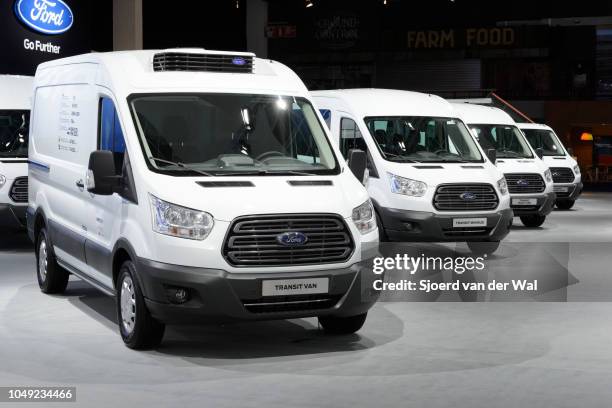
(14, 133)
(507, 140)
(423, 139)
(546, 140)
(232, 134)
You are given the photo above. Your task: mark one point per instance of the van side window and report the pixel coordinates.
(110, 133)
(306, 149)
(350, 137)
(326, 113)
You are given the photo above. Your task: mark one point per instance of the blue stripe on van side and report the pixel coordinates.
(39, 166)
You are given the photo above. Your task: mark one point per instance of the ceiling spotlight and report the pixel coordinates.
(237, 4)
(385, 2)
(309, 3)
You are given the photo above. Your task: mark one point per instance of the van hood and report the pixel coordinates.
(442, 173)
(560, 161)
(266, 195)
(521, 165)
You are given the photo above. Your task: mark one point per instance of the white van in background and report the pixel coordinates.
(15, 101)
(196, 185)
(428, 178)
(529, 180)
(565, 170)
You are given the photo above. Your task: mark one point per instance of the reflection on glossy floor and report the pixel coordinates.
(439, 354)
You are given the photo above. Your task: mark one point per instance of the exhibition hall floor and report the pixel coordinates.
(409, 354)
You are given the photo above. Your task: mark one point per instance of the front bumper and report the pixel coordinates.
(12, 216)
(219, 296)
(572, 193)
(544, 204)
(419, 226)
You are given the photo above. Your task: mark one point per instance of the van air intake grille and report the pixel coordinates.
(465, 197)
(253, 240)
(177, 61)
(19, 190)
(562, 174)
(519, 183)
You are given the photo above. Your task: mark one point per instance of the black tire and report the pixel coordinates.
(139, 331)
(566, 204)
(533, 221)
(52, 278)
(342, 325)
(483, 248)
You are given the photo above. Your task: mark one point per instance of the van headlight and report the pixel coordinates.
(174, 220)
(577, 170)
(364, 217)
(406, 186)
(2, 181)
(548, 176)
(502, 185)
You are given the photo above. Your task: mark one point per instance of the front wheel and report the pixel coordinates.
(52, 278)
(533, 221)
(342, 325)
(565, 205)
(138, 329)
(483, 248)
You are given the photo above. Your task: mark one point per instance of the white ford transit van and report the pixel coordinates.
(194, 186)
(15, 95)
(565, 170)
(529, 180)
(429, 179)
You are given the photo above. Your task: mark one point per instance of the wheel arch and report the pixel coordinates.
(123, 251)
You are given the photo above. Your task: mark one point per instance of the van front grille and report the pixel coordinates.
(525, 183)
(467, 232)
(465, 197)
(19, 190)
(562, 174)
(182, 61)
(254, 240)
(297, 303)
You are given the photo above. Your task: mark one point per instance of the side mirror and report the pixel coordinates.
(357, 161)
(101, 178)
(492, 155)
(570, 151)
(540, 152)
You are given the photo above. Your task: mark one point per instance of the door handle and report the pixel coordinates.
(80, 185)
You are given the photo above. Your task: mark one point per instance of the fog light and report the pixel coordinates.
(177, 295)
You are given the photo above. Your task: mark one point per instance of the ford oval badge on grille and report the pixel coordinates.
(522, 182)
(238, 61)
(468, 196)
(292, 239)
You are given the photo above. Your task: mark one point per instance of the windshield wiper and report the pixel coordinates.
(457, 160)
(265, 173)
(397, 157)
(181, 165)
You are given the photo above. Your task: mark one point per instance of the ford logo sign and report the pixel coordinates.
(238, 61)
(292, 239)
(45, 16)
(468, 196)
(522, 182)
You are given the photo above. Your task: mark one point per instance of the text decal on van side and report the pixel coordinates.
(45, 16)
